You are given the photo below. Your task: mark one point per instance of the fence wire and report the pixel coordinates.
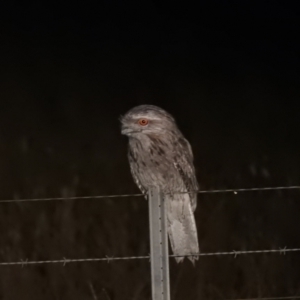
(234, 191)
(108, 259)
(269, 298)
(234, 253)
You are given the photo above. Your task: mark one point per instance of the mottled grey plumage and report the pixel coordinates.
(159, 155)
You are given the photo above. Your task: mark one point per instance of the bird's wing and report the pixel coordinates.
(183, 162)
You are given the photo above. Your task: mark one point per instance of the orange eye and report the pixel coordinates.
(143, 122)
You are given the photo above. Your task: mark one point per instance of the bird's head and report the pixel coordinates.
(147, 119)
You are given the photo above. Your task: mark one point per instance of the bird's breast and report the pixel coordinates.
(152, 164)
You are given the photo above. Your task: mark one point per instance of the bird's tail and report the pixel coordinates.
(182, 228)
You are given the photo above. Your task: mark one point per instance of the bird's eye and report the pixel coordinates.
(143, 122)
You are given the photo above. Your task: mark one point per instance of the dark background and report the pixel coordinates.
(229, 73)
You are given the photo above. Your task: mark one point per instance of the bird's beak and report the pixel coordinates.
(126, 130)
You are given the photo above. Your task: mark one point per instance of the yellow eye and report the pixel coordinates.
(143, 122)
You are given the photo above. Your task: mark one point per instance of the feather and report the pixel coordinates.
(182, 227)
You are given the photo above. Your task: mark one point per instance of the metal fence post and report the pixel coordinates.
(159, 246)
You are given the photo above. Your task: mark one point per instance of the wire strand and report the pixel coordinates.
(64, 261)
(70, 198)
(268, 298)
(293, 187)
(235, 191)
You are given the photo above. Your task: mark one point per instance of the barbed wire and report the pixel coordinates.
(108, 259)
(70, 198)
(269, 298)
(235, 191)
(65, 261)
(293, 187)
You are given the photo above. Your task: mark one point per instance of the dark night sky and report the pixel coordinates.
(132, 49)
(234, 36)
(234, 63)
(230, 33)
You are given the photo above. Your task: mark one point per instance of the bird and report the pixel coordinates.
(159, 155)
